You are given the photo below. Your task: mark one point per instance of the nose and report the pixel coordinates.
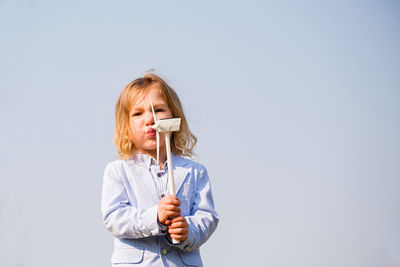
(148, 117)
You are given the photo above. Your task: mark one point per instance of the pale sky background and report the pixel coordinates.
(295, 104)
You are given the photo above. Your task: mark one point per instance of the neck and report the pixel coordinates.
(162, 162)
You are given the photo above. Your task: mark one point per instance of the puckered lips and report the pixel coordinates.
(151, 132)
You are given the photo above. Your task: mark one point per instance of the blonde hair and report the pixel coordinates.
(182, 141)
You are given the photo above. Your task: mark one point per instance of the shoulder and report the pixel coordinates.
(115, 164)
(118, 165)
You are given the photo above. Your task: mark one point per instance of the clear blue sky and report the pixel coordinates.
(295, 104)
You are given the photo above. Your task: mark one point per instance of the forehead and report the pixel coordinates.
(143, 98)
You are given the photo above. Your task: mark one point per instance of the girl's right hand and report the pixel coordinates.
(168, 208)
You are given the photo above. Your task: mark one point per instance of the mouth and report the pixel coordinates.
(151, 132)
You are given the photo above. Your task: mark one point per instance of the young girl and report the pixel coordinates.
(136, 205)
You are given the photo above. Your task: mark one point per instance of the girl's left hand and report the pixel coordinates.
(179, 228)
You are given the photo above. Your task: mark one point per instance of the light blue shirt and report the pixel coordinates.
(130, 197)
(159, 175)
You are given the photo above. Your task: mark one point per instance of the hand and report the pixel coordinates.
(179, 228)
(168, 208)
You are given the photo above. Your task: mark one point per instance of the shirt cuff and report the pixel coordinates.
(183, 245)
(162, 227)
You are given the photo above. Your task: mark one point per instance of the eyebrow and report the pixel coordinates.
(160, 105)
(156, 105)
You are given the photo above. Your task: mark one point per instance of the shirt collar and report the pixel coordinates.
(146, 160)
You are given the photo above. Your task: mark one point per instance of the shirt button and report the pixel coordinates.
(164, 251)
(159, 174)
(162, 195)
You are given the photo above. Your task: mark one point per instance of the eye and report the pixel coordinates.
(136, 114)
(159, 110)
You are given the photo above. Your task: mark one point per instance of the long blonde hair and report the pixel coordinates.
(182, 141)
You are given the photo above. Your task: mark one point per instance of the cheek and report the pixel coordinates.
(166, 115)
(131, 125)
(134, 126)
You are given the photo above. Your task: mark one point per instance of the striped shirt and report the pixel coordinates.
(160, 176)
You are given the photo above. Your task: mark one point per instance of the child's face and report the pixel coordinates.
(141, 120)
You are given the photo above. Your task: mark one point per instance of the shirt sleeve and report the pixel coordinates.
(119, 216)
(203, 219)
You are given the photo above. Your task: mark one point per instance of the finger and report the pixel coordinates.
(167, 215)
(170, 208)
(171, 200)
(171, 215)
(174, 213)
(177, 231)
(180, 237)
(179, 219)
(178, 225)
(169, 205)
